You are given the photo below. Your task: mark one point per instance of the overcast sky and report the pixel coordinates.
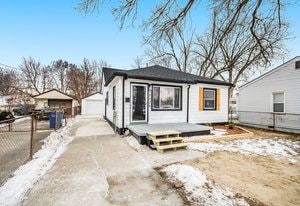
(53, 29)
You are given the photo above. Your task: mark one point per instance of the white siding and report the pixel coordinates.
(109, 109)
(157, 116)
(195, 115)
(258, 97)
(213, 116)
(93, 104)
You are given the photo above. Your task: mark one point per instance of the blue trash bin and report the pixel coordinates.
(53, 118)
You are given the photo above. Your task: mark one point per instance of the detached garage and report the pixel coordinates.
(93, 105)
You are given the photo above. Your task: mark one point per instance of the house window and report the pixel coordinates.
(114, 97)
(209, 99)
(278, 102)
(166, 98)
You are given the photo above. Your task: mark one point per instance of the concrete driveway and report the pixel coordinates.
(99, 168)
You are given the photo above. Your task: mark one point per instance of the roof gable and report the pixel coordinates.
(53, 94)
(94, 96)
(281, 66)
(159, 73)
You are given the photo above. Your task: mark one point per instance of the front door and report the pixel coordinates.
(139, 102)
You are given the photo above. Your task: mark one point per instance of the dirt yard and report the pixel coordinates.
(262, 180)
(264, 133)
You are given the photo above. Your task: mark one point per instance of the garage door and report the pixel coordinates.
(94, 107)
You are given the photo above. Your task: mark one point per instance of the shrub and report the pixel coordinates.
(231, 125)
(5, 115)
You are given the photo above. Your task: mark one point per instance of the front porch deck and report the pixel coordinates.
(186, 129)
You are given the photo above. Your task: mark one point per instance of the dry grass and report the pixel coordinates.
(265, 133)
(264, 180)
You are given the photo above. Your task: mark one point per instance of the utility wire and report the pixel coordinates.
(5, 65)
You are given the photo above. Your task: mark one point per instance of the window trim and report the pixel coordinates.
(215, 105)
(164, 109)
(146, 85)
(279, 92)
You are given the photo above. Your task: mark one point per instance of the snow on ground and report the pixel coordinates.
(18, 119)
(199, 190)
(274, 147)
(131, 140)
(13, 191)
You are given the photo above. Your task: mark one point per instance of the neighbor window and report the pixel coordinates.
(166, 98)
(114, 97)
(278, 102)
(209, 99)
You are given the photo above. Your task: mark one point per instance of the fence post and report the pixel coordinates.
(32, 135)
(274, 120)
(9, 126)
(35, 124)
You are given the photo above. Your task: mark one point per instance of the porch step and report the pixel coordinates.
(171, 146)
(168, 139)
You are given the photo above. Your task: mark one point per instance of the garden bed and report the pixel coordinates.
(221, 132)
(229, 131)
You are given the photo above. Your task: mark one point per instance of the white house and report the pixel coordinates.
(93, 105)
(273, 99)
(157, 94)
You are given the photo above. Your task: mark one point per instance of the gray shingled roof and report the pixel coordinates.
(159, 73)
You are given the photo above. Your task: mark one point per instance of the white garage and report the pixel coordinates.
(93, 105)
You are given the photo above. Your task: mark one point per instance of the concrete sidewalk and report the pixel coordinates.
(98, 168)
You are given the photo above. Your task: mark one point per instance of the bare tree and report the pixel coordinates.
(178, 11)
(82, 80)
(233, 55)
(8, 81)
(173, 50)
(35, 76)
(59, 70)
(138, 62)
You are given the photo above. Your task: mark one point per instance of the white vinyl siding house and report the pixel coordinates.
(162, 101)
(273, 98)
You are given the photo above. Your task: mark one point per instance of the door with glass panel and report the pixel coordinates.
(139, 102)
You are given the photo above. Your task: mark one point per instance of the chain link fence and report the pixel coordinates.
(288, 122)
(21, 137)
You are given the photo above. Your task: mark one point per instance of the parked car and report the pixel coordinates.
(21, 110)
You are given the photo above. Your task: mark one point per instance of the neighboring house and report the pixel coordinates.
(93, 105)
(14, 101)
(3, 103)
(157, 94)
(233, 105)
(273, 99)
(55, 99)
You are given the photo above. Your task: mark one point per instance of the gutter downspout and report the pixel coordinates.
(188, 104)
(123, 100)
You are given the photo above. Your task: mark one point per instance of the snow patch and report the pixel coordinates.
(277, 148)
(219, 132)
(18, 119)
(199, 190)
(13, 191)
(131, 140)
